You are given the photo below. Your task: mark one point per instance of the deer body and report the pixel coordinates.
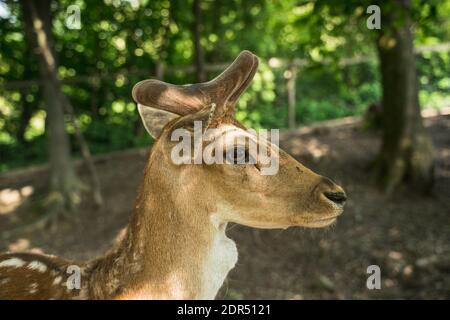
(160, 263)
(175, 246)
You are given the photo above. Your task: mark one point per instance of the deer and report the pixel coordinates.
(175, 245)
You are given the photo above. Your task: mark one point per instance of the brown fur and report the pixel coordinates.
(181, 213)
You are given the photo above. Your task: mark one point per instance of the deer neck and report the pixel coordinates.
(174, 248)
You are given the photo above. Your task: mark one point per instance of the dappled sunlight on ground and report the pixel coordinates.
(10, 199)
(23, 245)
(19, 245)
(317, 149)
(311, 148)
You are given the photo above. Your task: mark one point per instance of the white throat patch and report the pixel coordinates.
(220, 259)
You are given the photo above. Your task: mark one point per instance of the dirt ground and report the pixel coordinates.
(406, 235)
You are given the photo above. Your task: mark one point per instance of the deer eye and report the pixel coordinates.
(238, 155)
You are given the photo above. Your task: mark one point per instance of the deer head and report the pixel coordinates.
(235, 191)
(175, 246)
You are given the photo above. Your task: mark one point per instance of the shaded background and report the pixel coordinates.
(319, 61)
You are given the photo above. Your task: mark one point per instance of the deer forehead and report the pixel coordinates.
(231, 134)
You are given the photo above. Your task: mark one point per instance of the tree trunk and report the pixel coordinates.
(198, 50)
(27, 107)
(25, 117)
(291, 95)
(406, 151)
(63, 181)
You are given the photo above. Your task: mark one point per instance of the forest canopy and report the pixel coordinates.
(119, 43)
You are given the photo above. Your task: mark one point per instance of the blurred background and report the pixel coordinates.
(361, 92)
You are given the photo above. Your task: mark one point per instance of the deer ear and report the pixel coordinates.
(154, 119)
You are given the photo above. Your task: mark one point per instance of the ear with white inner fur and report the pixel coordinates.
(154, 119)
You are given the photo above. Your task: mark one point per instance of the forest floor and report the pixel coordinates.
(406, 235)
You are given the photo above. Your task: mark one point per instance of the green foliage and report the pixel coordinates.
(434, 71)
(120, 44)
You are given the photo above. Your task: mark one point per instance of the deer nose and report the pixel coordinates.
(336, 197)
(333, 192)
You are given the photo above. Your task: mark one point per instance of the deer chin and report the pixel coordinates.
(320, 223)
(297, 221)
(283, 221)
(313, 224)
